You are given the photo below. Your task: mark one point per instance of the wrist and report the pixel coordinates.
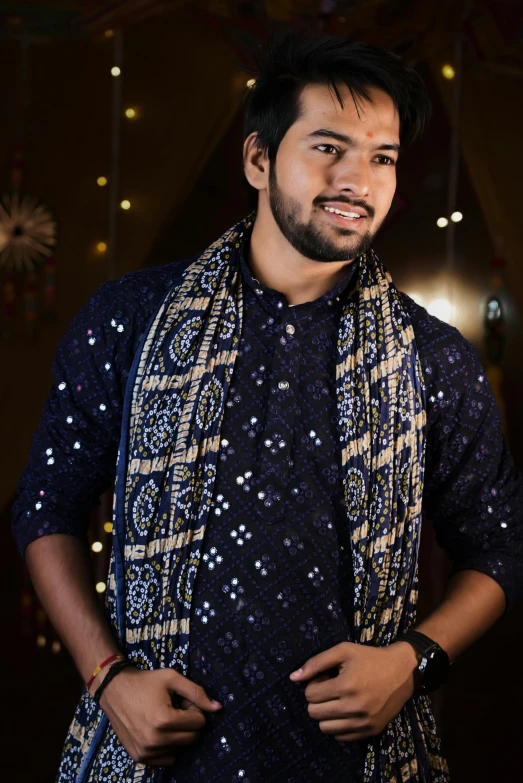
(408, 659)
(93, 656)
(111, 673)
(101, 671)
(112, 689)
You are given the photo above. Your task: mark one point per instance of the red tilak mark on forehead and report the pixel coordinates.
(370, 134)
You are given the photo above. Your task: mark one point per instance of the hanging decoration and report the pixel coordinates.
(27, 232)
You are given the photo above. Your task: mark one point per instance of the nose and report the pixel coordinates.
(352, 175)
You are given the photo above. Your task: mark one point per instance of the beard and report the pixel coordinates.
(308, 239)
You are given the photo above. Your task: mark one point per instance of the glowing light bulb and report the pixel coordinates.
(41, 640)
(251, 83)
(109, 33)
(115, 71)
(442, 222)
(448, 71)
(97, 546)
(130, 113)
(101, 247)
(102, 181)
(456, 217)
(56, 647)
(108, 527)
(125, 204)
(100, 587)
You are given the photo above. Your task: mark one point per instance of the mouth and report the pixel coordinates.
(350, 217)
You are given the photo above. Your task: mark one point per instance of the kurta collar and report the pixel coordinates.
(276, 301)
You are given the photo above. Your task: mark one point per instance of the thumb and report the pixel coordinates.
(322, 662)
(191, 691)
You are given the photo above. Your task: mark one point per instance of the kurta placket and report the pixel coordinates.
(268, 594)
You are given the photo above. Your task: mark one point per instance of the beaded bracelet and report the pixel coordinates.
(99, 668)
(113, 671)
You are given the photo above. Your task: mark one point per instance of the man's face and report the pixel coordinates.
(332, 159)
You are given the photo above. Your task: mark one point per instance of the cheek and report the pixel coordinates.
(384, 189)
(299, 177)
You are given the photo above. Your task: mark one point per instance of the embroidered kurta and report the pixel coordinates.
(277, 505)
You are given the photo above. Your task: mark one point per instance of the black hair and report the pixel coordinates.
(291, 63)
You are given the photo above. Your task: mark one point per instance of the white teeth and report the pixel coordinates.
(352, 215)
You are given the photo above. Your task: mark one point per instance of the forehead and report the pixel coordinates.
(319, 107)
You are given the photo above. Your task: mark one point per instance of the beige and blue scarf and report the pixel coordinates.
(167, 467)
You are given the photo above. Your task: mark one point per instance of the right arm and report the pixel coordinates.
(71, 463)
(138, 703)
(61, 573)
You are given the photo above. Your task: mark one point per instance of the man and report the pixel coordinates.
(275, 413)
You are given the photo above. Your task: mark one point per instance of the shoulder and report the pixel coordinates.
(140, 291)
(444, 352)
(121, 309)
(456, 384)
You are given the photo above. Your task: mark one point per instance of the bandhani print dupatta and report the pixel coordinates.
(166, 470)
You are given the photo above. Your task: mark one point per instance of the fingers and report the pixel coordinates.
(185, 704)
(317, 692)
(180, 720)
(323, 661)
(177, 739)
(344, 729)
(332, 710)
(321, 677)
(190, 690)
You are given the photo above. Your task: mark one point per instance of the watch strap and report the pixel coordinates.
(419, 640)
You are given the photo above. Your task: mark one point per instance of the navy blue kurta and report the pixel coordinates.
(275, 576)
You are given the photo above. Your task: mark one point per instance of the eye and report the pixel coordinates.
(329, 148)
(384, 160)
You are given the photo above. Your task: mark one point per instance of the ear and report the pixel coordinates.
(255, 163)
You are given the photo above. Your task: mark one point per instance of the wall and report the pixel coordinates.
(185, 84)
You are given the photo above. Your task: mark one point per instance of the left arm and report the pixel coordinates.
(474, 496)
(374, 683)
(471, 604)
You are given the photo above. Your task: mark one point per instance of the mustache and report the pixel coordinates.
(343, 199)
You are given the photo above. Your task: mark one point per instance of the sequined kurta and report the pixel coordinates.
(277, 505)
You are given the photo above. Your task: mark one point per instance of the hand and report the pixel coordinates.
(371, 687)
(139, 705)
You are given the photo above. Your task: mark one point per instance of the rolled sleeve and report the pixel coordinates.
(73, 453)
(473, 493)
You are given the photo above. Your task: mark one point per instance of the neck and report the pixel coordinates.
(276, 264)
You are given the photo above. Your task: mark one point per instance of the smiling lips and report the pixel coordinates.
(348, 215)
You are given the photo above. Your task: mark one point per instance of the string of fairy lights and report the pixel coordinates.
(130, 113)
(448, 72)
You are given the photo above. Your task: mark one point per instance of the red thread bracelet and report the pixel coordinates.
(102, 666)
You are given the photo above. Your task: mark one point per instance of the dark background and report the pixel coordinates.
(180, 166)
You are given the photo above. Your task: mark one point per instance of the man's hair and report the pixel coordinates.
(272, 104)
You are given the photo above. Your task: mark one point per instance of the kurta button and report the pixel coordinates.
(290, 329)
(283, 385)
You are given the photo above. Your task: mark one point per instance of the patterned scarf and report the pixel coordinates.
(167, 468)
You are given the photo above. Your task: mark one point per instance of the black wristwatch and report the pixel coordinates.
(434, 666)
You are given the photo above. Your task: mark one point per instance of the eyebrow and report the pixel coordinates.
(325, 133)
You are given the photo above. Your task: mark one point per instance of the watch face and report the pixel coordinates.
(435, 670)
